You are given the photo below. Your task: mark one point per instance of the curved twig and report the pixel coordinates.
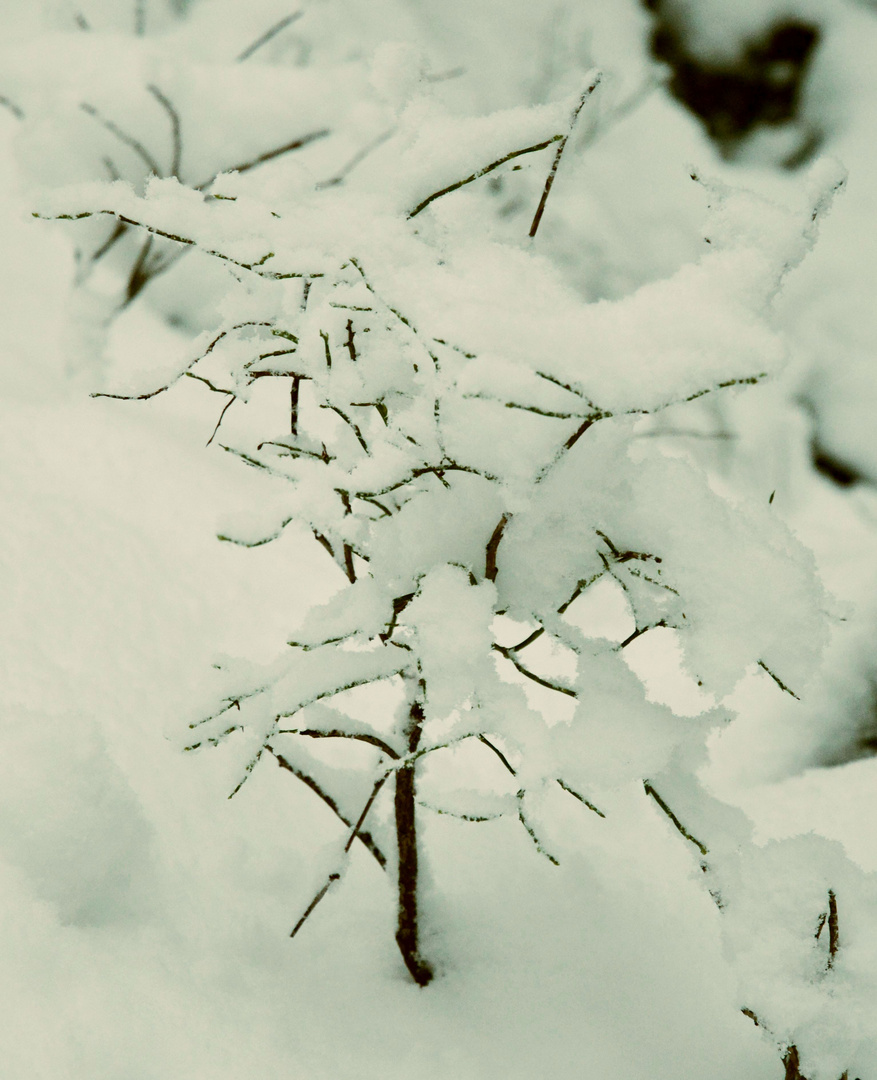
(336, 733)
(272, 32)
(364, 838)
(123, 136)
(482, 172)
(510, 656)
(649, 789)
(174, 117)
(595, 82)
(354, 833)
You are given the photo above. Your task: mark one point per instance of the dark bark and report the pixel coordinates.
(407, 934)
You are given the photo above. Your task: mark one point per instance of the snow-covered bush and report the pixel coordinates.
(466, 439)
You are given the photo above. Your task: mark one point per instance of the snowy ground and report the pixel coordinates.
(145, 917)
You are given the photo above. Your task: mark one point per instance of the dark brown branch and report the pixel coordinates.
(640, 630)
(829, 918)
(778, 681)
(270, 275)
(225, 409)
(333, 877)
(490, 570)
(354, 427)
(325, 338)
(531, 832)
(272, 32)
(336, 733)
(129, 140)
(496, 750)
(540, 210)
(358, 157)
(336, 875)
(349, 568)
(482, 172)
(510, 656)
(399, 605)
(581, 798)
(565, 386)
(405, 805)
(365, 838)
(349, 344)
(580, 431)
(176, 139)
(270, 155)
(255, 543)
(139, 276)
(436, 470)
(118, 232)
(293, 404)
(321, 539)
(459, 817)
(529, 639)
(833, 938)
(676, 822)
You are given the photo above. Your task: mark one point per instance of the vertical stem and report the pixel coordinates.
(406, 836)
(293, 404)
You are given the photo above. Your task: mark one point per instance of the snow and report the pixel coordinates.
(634, 825)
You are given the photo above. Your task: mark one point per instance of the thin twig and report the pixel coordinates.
(595, 82)
(354, 427)
(336, 875)
(491, 746)
(269, 155)
(333, 877)
(490, 570)
(365, 838)
(640, 630)
(129, 140)
(335, 733)
(415, 474)
(270, 275)
(16, 111)
(293, 404)
(510, 656)
(531, 832)
(255, 543)
(676, 822)
(225, 409)
(581, 798)
(174, 117)
(833, 938)
(268, 35)
(358, 157)
(459, 817)
(349, 343)
(777, 680)
(482, 172)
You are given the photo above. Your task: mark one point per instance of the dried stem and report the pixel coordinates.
(482, 172)
(561, 146)
(174, 117)
(272, 32)
(408, 925)
(675, 820)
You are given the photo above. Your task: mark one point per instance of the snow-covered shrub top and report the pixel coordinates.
(463, 440)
